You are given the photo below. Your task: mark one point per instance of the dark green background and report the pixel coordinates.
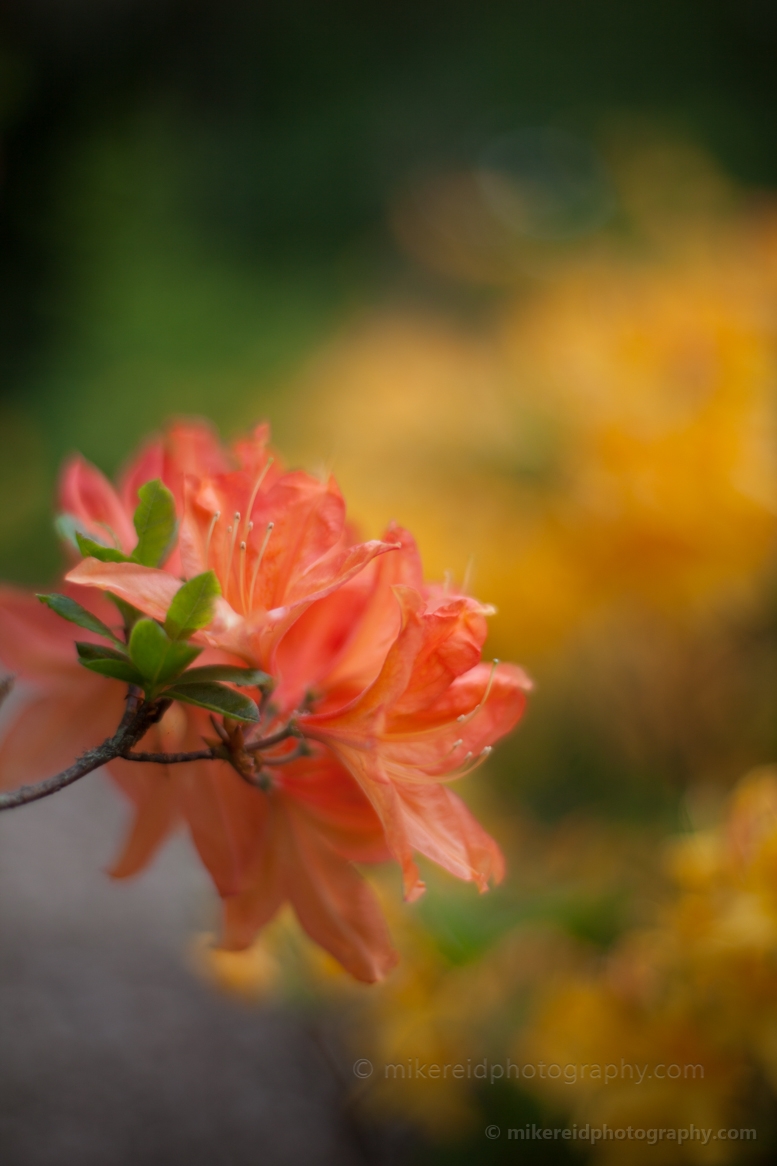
(194, 193)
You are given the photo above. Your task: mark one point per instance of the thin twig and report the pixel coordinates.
(171, 758)
(283, 734)
(138, 717)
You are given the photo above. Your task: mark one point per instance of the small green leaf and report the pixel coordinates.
(155, 524)
(108, 663)
(68, 608)
(192, 606)
(243, 677)
(158, 658)
(216, 698)
(91, 549)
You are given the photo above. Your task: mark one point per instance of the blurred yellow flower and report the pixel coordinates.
(692, 999)
(611, 435)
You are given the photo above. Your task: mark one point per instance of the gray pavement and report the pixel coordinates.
(112, 1053)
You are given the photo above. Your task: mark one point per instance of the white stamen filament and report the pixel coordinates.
(254, 492)
(231, 529)
(242, 574)
(468, 766)
(211, 528)
(258, 564)
(465, 718)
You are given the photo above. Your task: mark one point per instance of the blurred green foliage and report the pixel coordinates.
(194, 194)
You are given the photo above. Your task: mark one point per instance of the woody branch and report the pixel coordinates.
(139, 716)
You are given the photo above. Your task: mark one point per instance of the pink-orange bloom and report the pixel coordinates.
(381, 669)
(306, 831)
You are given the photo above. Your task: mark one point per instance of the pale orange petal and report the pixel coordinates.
(245, 914)
(35, 644)
(153, 789)
(146, 588)
(440, 826)
(89, 497)
(335, 905)
(54, 729)
(224, 815)
(331, 900)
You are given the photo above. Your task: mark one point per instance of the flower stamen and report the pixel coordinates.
(465, 718)
(242, 576)
(254, 492)
(231, 529)
(258, 563)
(469, 765)
(211, 528)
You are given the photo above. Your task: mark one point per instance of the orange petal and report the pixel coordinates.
(53, 730)
(35, 644)
(476, 710)
(247, 912)
(337, 908)
(326, 793)
(254, 453)
(146, 588)
(153, 789)
(440, 826)
(365, 766)
(225, 817)
(90, 498)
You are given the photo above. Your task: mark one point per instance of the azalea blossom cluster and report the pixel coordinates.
(336, 693)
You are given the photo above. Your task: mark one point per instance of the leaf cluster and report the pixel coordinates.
(155, 525)
(156, 657)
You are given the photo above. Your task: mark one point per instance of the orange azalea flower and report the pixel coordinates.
(369, 661)
(302, 835)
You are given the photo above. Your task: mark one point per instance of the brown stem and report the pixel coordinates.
(138, 717)
(171, 758)
(283, 734)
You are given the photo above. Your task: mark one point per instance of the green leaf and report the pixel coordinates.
(68, 608)
(89, 548)
(155, 524)
(157, 657)
(192, 606)
(243, 677)
(108, 663)
(216, 698)
(129, 614)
